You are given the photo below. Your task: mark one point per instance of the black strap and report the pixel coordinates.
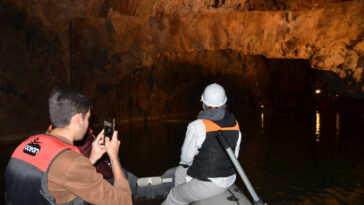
(184, 165)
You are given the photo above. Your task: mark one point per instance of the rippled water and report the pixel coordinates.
(290, 158)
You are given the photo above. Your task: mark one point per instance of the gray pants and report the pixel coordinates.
(194, 190)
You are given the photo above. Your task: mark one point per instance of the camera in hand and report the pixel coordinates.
(109, 126)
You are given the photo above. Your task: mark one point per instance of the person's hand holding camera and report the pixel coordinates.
(112, 149)
(98, 148)
(112, 146)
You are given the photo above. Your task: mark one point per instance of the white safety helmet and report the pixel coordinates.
(214, 95)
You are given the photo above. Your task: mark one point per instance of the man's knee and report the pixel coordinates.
(180, 175)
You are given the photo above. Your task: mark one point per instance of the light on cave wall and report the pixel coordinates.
(317, 91)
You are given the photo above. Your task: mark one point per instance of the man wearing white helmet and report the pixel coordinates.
(205, 169)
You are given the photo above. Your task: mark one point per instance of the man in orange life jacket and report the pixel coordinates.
(49, 169)
(205, 169)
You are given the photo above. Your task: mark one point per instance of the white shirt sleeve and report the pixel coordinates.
(195, 136)
(237, 148)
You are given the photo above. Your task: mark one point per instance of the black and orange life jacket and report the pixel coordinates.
(212, 161)
(26, 174)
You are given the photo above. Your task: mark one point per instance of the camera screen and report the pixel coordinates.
(108, 128)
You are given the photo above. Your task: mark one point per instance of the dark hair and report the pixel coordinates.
(66, 102)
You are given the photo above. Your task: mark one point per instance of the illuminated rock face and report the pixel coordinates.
(328, 33)
(331, 38)
(151, 58)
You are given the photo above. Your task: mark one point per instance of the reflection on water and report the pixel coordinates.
(285, 164)
(262, 122)
(291, 167)
(337, 128)
(317, 132)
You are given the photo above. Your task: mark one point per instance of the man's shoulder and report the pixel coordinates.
(197, 122)
(65, 163)
(71, 153)
(68, 158)
(196, 126)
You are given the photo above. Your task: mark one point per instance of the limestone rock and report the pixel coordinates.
(150, 57)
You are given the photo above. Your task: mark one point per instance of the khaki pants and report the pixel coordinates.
(194, 190)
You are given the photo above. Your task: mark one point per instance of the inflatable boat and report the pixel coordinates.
(159, 187)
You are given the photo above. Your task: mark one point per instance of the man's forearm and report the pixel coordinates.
(116, 168)
(120, 182)
(92, 160)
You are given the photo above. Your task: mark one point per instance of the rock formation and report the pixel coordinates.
(144, 56)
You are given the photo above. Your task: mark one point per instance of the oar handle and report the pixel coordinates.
(222, 140)
(225, 145)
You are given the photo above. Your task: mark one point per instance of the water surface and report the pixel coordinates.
(312, 157)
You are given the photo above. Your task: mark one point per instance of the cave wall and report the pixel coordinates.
(121, 83)
(328, 33)
(331, 38)
(31, 64)
(145, 59)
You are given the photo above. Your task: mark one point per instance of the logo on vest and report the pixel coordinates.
(33, 147)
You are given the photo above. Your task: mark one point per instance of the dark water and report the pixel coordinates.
(313, 157)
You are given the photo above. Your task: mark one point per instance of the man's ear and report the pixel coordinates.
(79, 115)
(76, 119)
